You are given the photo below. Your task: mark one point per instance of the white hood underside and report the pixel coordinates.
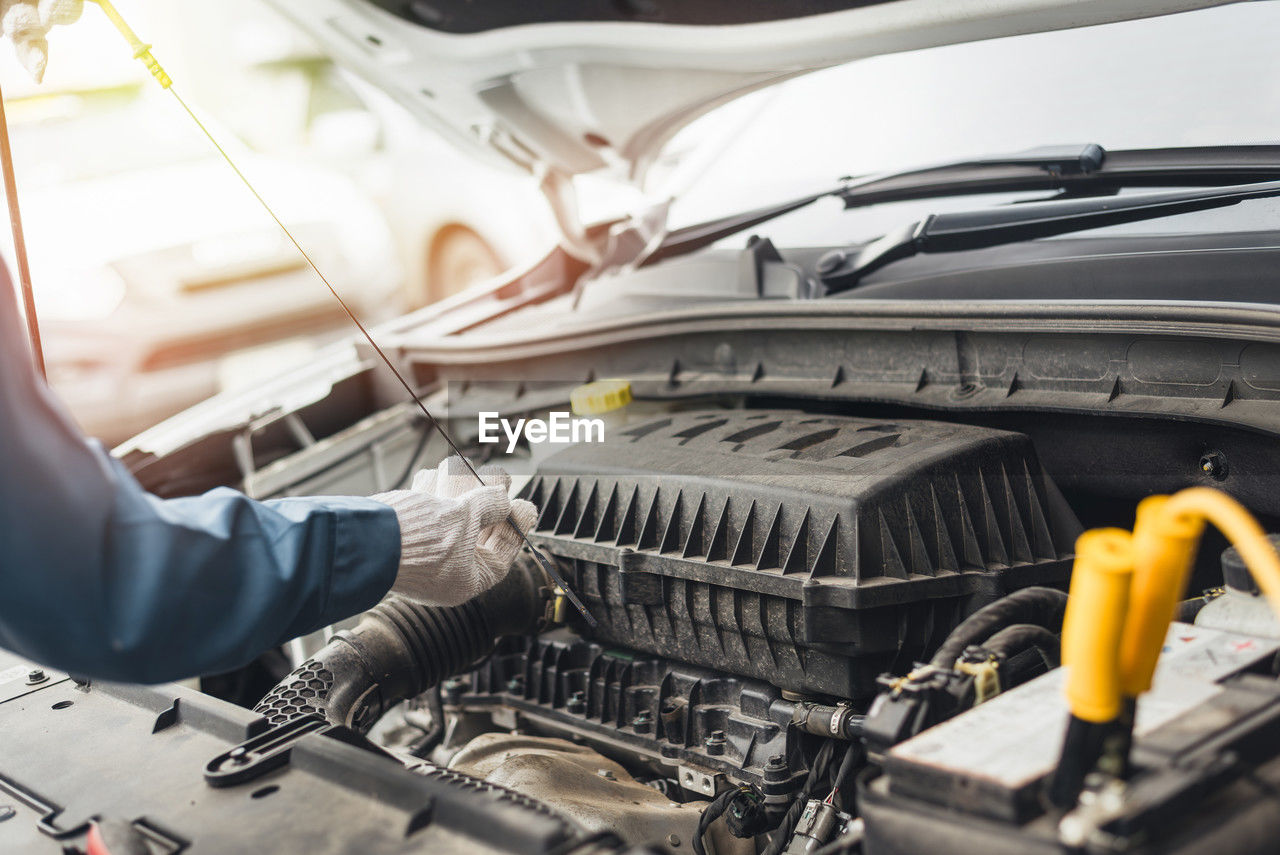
(574, 98)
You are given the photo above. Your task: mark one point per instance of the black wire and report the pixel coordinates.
(433, 737)
(401, 482)
(821, 766)
(851, 754)
(710, 814)
(839, 846)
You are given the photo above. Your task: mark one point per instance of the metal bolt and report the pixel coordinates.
(642, 721)
(673, 840)
(577, 702)
(239, 755)
(1214, 464)
(776, 770)
(452, 690)
(607, 774)
(36, 676)
(715, 742)
(830, 262)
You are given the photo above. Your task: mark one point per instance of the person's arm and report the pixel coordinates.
(103, 580)
(100, 579)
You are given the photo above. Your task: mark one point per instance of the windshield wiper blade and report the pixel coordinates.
(964, 230)
(1047, 161)
(1073, 170)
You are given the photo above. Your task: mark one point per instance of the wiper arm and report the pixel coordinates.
(1048, 162)
(956, 232)
(1083, 170)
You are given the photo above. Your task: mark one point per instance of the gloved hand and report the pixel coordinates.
(455, 543)
(27, 24)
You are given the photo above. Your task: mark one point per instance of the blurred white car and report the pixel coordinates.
(158, 279)
(456, 221)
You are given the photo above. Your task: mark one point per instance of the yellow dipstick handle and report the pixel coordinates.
(1094, 622)
(1230, 517)
(1164, 547)
(141, 50)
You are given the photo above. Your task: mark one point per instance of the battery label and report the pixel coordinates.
(17, 672)
(1015, 739)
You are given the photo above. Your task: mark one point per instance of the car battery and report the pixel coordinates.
(1204, 778)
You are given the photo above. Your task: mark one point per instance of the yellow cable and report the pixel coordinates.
(1239, 526)
(1125, 590)
(1166, 538)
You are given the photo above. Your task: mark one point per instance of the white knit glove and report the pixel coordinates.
(455, 542)
(27, 24)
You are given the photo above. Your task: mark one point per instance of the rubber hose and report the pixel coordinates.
(1040, 606)
(1013, 640)
(400, 649)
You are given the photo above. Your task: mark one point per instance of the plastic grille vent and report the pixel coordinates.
(750, 537)
(306, 694)
(993, 516)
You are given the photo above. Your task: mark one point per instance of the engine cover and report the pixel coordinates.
(814, 552)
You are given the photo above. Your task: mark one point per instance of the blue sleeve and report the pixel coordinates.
(103, 580)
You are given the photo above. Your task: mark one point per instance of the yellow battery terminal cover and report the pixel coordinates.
(1164, 548)
(1094, 622)
(600, 397)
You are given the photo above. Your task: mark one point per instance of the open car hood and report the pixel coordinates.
(579, 86)
(568, 87)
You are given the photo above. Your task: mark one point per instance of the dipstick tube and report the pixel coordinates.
(142, 52)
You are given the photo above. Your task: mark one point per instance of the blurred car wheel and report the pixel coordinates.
(457, 259)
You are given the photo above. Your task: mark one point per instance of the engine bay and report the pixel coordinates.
(814, 632)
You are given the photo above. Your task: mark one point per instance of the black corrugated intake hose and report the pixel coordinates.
(400, 649)
(1042, 607)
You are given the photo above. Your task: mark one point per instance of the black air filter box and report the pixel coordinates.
(814, 552)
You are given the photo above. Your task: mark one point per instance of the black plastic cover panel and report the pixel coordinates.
(813, 552)
(136, 757)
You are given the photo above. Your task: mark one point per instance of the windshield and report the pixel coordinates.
(1210, 77)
